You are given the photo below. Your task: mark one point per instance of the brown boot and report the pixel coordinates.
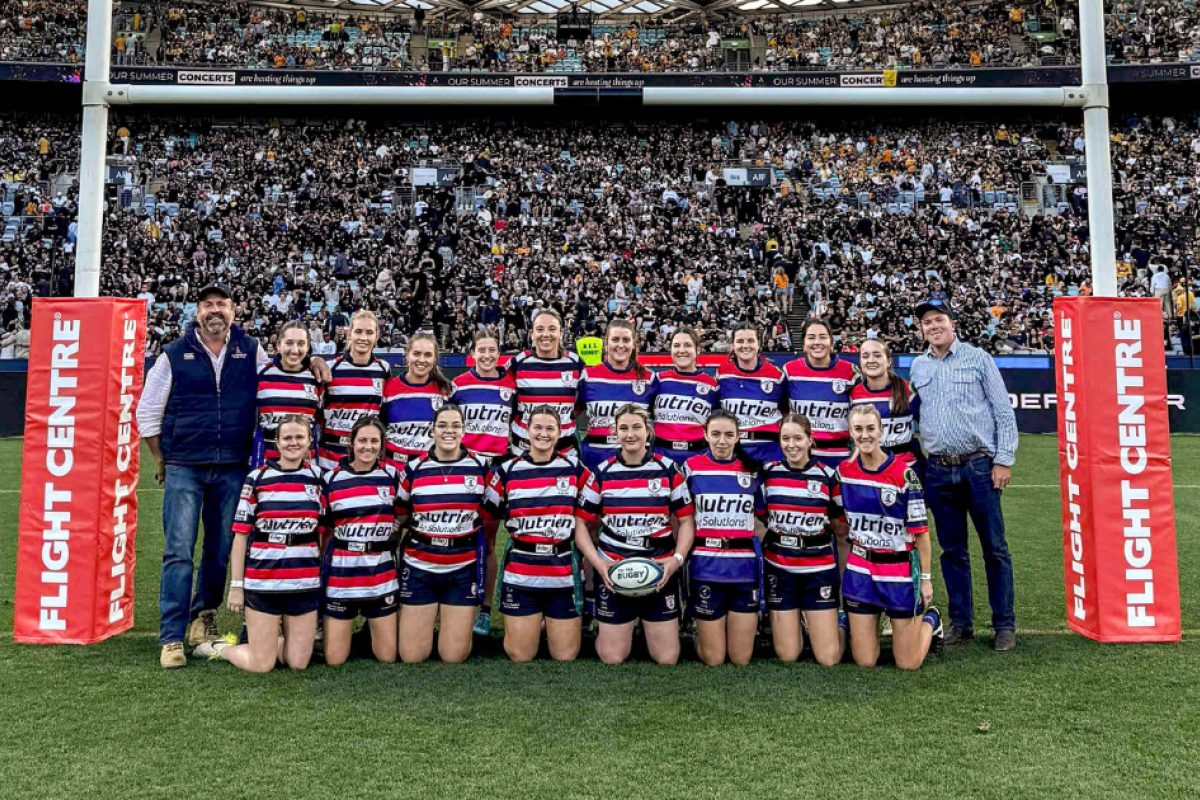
(172, 656)
(203, 629)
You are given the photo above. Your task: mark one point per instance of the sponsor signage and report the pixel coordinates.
(201, 78)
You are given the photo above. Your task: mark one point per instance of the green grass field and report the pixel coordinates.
(1060, 717)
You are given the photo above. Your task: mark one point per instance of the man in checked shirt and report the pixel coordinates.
(970, 433)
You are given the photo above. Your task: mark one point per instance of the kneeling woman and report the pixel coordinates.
(441, 494)
(633, 498)
(804, 513)
(360, 565)
(535, 495)
(888, 567)
(725, 573)
(276, 557)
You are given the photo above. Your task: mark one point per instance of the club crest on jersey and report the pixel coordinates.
(471, 482)
(385, 493)
(310, 391)
(312, 492)
(768, 386)
(655, 486)
(568, 379)
(702, 389)
(815, 487)
(839, 386)
(639, 387)
(506, 395)
(563, 484)
(436, 402)
(377, 385)
(888, 496)
(744, 480)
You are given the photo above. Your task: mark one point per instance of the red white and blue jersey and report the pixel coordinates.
(548, 381)
(487, 405)
(281, 511)
(408, 410)
(727, 498)
(823, 396)
(353, 392)
(282, 394)
(681, 408)
(885, 508)
(537, 503)
(898, 429)
(800, 505)
(756, 398)
(602, 390)
(634, 505)
(444, 504)
(362, 514)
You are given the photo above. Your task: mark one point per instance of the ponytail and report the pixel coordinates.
(899, 404)
(435, 374)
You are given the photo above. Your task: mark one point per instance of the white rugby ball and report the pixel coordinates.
(636, 577)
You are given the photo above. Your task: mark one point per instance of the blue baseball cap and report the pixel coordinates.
(216, 287)
(934, 304)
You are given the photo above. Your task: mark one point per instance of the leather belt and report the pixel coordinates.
(956, 461)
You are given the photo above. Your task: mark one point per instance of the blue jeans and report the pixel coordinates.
(953, 492)
(193, 494)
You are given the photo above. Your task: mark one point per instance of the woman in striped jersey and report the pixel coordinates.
(535, 495)
(546, 376)
(410, 401)
(800, 572)
(632, 500)
(898, 405)
(685, 398)
(889, 563)
(818, 388)
(617, 381)
(752, 389)
(276, 556)
(360, 565)
(725, 570)
(286, 387)
(355, 390)
(441, 497)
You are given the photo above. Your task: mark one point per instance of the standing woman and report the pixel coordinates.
(753, 390)
(276, 556)
(546, 376)
(441, 497)
(888, 569)
(410, 401)
(632, 500)
(800, 572)
(360, 565)
(896, 402)
(725, 572)
(685, 398)
(286, 388)
(535, 495)
(355, 390)
(818, 388)
(618, 381)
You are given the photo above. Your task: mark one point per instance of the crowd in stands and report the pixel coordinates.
(923, 34)
(598, 220)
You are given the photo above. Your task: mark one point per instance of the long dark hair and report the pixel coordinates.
(813, 322)
(739, 452)
(626, 325)
(369, 421)
(435, 373)
(899, 403)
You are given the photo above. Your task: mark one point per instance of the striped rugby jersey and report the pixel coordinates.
(362, 512)
(634, 505)
(537, 503)
(682, 406)
(885, 508)
(549, 381)
(443, 501)
(756, 398)
(823, 396)
(602, 390)
(800, 504)
(408, 411)
(727, 499)
(487, 405)
(353, 392)
(898, 429)
(281, 394)
(281, 512)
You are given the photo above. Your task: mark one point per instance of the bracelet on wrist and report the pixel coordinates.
(679, 557)
(237, 584)
(925, 576)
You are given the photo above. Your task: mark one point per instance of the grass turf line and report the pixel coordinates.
(1061, 716)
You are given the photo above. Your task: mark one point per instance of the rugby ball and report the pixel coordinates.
(636, 577)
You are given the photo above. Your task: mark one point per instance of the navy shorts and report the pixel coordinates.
(712, 601)
(517, 601)
(419, 587)
(617, 609)
(284, 604)
(370, 607)
(808, 591)
(859, 607)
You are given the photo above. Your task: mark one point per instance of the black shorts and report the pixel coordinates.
(808, 591)
(617, 609)
(419, 587)
(712, 601)
(370, 607)
(859, 607)
(517, 601)
(284, 604)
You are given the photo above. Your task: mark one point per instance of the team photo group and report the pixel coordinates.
(799, 498)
